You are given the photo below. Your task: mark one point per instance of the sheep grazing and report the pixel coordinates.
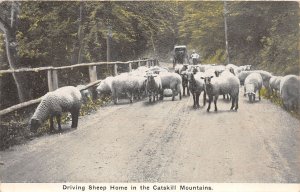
(124, 83)
(171, 81)
(197, 85)
(290, 92)
(53, 104)
(275, 83)
(153, 86)
(85, 93)
(226, 83)
(105, 86)
(253, 83)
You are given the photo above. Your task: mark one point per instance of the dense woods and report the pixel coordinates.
(35, 34)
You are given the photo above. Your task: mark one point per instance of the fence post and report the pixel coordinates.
(139, 64)
(50, 82)
(93, 77)
(93, 73)
(54, 79)
(130, 67)
(148, 63)
(115, 69)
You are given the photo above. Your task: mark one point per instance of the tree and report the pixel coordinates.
(8, 24)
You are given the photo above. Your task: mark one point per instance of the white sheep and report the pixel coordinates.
(226, 83)
(275, 83)
(197, 85)
(253, 83)
(105, 86)
(290, 92)
(53, 104)
(179, 68)
(157, 69)
(153, 86)
(266, 76)
(124, 83)
(171, 81)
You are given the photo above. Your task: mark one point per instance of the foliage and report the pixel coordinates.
(15, 129)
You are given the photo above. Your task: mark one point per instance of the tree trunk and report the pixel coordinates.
(11, 52)
(78, 44)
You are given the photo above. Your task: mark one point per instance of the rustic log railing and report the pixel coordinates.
(53, 77)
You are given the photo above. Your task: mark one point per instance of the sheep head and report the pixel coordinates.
(34, 125)
(207, 80)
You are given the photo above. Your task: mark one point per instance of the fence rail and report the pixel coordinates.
(53, 79)
(73, 66)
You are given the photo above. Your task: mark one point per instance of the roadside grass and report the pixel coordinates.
(14, 127)
(276, 99)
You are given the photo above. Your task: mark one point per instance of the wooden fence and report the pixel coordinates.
(53, 77)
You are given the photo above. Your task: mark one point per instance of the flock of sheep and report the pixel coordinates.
(157, 82)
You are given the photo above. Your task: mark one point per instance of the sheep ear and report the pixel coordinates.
(202, 78)
(212, 76)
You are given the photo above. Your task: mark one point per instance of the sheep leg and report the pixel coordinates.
(173, 94)
(162, 94)
(204, 98)
(51, 124)
(232, 103)
(236, 103)
(194, 99)
(183, 90)
(197, 99)
(75, 115)
(188, 90)
(259, 95)
(179, 92)
(210, 98)
(215, 102)
(58, 120)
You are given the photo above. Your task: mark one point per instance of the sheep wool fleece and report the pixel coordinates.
(64, 99)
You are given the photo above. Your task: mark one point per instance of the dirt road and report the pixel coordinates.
(165, 142)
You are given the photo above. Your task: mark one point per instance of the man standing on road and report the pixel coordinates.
(195, 57)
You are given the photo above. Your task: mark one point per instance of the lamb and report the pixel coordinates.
(253, 83)
(53, 104)
(171, 81)
(227, 83)
(124, 83)
(105, 86)
(275, 83)
(290, 92)
(153, 86)
(197, 85)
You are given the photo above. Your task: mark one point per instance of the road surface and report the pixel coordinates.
(168, 141)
